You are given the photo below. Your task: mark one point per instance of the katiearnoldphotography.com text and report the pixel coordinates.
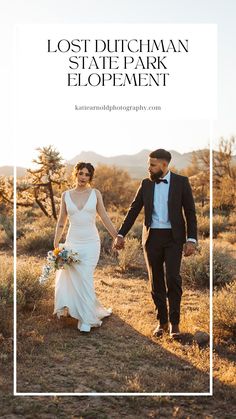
(124, 108)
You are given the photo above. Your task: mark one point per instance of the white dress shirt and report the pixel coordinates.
(160, 215)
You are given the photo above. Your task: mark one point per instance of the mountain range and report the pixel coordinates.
(135, 164)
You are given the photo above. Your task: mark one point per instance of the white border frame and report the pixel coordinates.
(210, 393)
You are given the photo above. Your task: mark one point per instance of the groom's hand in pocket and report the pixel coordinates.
(119, 243)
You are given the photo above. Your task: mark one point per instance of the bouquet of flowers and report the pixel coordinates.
(58, 259)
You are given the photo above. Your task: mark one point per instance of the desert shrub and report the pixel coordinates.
(32, 220)
(4, 241)
(106, 239)
(196, 269)
(229, 236)
(29, 291)
(203, 211)
(37, 242)
(116, 186)
(203, 224)
(225, 311)
(116, 217)
(136, 231)
(131, 256)
(220, 224)
(232, 219)
(6, 279)
(45, 222)
(6, 295)
(106, 242)
(6, 224)
(29, 214)
(223, 266)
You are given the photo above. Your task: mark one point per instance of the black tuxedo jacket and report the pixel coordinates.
(180, 200)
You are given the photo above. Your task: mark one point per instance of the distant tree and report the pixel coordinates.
(224, 175)
(222, 160)
(40, 184)
(203, 159)
(6, 191)
(193, 168)
(200, 187)
(224, 171)
(199, 174)
(6, 207)
(224, 194)
(115, 184)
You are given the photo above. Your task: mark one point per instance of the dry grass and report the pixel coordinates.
(120, 356)
(29, 291)
(225, 311)
(228, 236)
(6, 295)
(131, 256)
(36, 242)
(195, 269)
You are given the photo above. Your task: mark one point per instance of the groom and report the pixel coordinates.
(164, 196)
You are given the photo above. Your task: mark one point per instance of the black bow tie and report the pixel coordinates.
(161, 180)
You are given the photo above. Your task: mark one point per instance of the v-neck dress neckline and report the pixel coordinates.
(78, 209)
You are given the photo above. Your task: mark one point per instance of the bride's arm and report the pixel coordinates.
(104, 216)
(61, 222)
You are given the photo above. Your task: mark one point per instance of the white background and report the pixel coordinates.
(41, 77)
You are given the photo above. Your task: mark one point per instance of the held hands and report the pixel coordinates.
(189, 248)
(119, 243)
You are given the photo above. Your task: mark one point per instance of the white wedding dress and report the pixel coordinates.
(74, 286)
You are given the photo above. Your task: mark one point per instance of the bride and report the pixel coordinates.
(74, 287)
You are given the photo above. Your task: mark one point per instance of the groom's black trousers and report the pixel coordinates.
(161, 251)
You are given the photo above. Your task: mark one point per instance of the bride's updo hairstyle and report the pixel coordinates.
(82, 165)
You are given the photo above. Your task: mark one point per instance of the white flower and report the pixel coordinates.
(57, 262)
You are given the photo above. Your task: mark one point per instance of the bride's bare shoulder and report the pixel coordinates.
(65, 192)
(98, 193)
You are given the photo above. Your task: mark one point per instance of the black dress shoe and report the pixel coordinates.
(175, 332)
(160, 330)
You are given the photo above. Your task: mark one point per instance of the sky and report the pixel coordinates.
(125, 137)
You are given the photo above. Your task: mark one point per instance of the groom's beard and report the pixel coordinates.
(155, 176)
